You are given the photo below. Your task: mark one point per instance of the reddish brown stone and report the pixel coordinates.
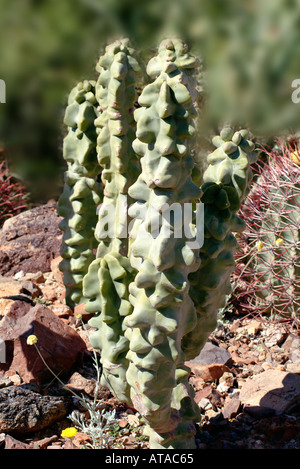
(209, 373)
(79, 310)
(49, 293)
(231, 407)
(12, 443)
(57, 274)
(205, 392)
(30, 241)
(59, 344)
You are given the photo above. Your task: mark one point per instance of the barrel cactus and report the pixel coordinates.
(269, 255)
(154, 291)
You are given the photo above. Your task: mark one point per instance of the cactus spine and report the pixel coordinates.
(270, 272)
(82, 192)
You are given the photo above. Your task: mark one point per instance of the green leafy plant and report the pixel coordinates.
(155, 293)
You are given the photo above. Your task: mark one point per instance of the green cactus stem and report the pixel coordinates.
(116, 93)
(226, 183)
(162, 309)
(82, 192)
(154, 295)
(112, 275)
(106, 284)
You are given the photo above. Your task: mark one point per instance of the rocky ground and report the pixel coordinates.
(246, 379)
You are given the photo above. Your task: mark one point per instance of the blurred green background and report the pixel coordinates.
(251, 52)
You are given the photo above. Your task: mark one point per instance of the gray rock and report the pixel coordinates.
(5, 381)
(23, 410)
(272, 389)
(211, 354)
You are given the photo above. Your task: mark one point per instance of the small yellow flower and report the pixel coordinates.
(279, 242)
(79, 316)
(259, 245)
(32, 339)
(69, 432)
(295, 156)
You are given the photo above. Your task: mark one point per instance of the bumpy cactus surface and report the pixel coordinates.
(164, 261)
(82, 191)
(226, 182)
(154, 292)
(270, 265)
(106, 285)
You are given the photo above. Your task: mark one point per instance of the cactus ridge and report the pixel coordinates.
(108, 284)
(82, 192)
(115, 125)
(225, 184)
(163, 262)
(105, 286)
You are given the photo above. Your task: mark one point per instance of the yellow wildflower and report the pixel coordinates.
(259, 245)
(295, 156)
(79, 316)
(69, 432)
(32, 339)
(279, 242)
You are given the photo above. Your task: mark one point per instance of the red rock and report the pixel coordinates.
(231, 407)
(272, 389)
(241, 360)
(81, 439)
(253, 327)
(61, 310)
(42, 444)
(30, 240)
(12, 443)
(205, 392)
(69, 444)
(122, 423)
(197, 383)
(59, 344)
(209, 372)
(10, 287)
(54, 266)
(79, 384)
(49, 293)
(79, 309)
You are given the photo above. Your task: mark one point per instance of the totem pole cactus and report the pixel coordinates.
(162, 312)
(225, 184)
(106, 285)
(82, 192)
(155, 293)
